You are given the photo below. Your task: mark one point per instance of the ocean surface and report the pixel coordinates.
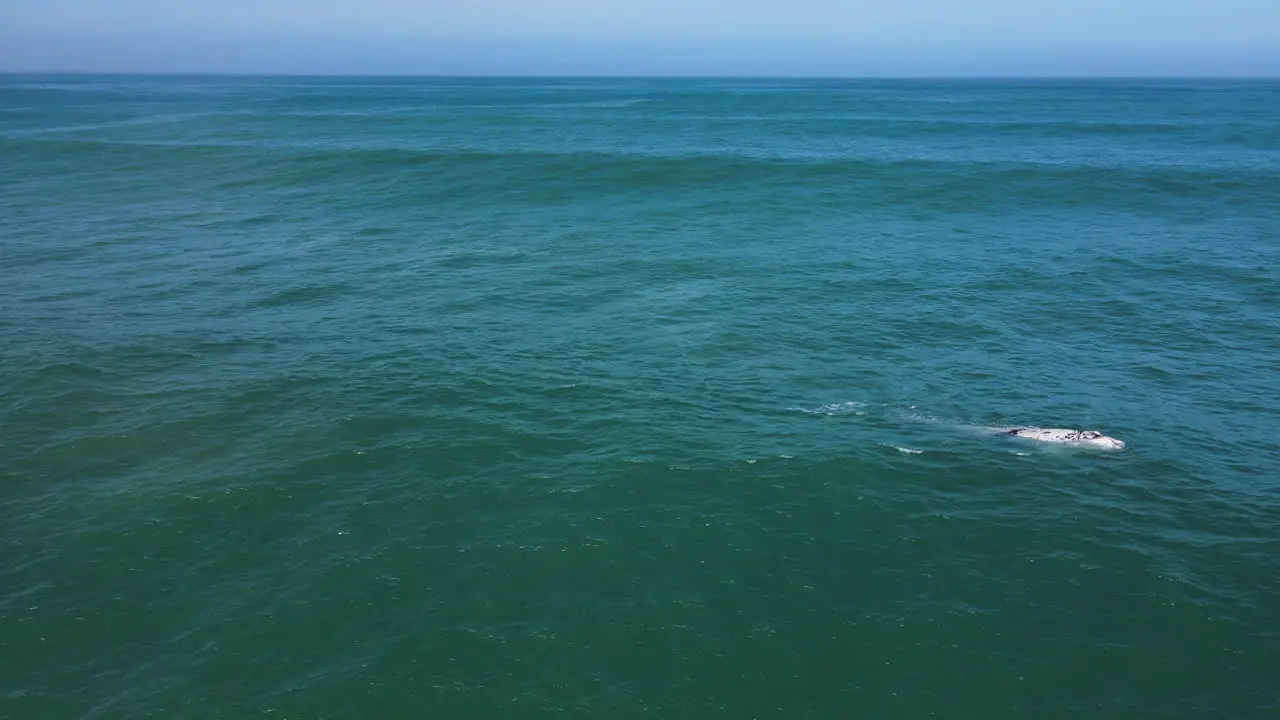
(565, 398)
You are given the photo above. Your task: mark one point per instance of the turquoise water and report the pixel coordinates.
(370, 398)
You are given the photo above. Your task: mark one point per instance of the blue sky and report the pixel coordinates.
(647, 37)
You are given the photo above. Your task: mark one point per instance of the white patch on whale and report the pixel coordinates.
(1064, 436)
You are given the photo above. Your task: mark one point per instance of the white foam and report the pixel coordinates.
(845, 408)
(908, 451)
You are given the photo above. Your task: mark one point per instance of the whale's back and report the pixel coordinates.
(1067, 436)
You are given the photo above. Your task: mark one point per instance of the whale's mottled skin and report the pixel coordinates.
(1092, 438)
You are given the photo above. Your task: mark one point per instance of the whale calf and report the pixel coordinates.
(1092, 438)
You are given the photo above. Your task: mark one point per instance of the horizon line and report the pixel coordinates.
(636, 76)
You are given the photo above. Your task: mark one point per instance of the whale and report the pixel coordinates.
(1090, 438)
(1064, 437)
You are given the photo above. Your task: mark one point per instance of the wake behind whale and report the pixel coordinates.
(1063, 437)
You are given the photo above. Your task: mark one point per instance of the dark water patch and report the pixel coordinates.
(311, 294)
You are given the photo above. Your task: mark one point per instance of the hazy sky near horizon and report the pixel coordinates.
(769, 37)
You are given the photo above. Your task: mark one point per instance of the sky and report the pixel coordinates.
(1182, 38)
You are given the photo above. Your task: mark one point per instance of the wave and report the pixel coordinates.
(695, 163)
(834, 409)
(554, 177)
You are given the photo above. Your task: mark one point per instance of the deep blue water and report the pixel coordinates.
(354, 398)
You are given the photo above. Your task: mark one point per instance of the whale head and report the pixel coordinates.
(1097, 439)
